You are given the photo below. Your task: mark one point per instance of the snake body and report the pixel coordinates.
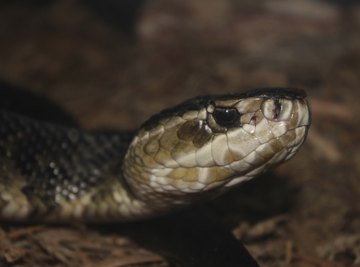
(183, 155)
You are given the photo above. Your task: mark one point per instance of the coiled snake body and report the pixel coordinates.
(186, 154)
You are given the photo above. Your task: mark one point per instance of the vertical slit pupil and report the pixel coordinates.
(226, 117)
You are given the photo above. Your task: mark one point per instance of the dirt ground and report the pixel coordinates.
(111, 64)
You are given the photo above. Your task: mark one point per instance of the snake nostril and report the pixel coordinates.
(253, 120)
(277, 109)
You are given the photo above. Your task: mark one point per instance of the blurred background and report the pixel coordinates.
(112, 64)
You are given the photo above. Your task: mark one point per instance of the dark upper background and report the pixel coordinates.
(111, 64)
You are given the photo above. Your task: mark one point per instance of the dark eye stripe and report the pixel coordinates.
(226, 117)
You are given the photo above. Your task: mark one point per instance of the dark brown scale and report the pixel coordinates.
(188, 130)
(202, 136)
(55, 160)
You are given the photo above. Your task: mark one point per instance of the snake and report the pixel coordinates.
(182, 156)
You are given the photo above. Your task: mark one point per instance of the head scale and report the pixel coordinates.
(206, 145)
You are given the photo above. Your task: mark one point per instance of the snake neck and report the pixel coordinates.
(54, 173)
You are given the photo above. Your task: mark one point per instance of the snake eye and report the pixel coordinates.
(226, 117)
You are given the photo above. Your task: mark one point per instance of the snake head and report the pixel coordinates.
(207, 145)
